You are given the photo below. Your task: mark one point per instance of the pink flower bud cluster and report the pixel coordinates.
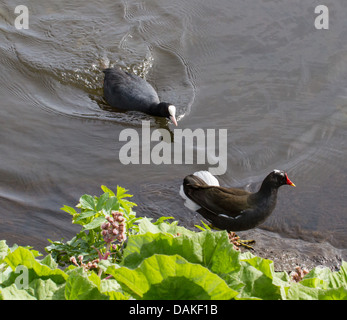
(235, 240)
(298, 274)
(114, 228)
(86, 266)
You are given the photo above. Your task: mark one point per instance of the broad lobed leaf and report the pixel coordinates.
(171, 277)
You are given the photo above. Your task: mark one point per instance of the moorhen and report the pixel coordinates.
(231, 209)
(127, 91)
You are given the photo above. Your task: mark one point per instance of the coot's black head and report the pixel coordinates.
(168, 110)
(278, 178)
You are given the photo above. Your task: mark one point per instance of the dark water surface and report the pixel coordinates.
(257, 68)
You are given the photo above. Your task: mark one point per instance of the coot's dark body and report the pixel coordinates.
(126, 91)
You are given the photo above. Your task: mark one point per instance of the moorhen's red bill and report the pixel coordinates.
(232, 209)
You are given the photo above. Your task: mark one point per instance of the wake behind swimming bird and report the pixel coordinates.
(127, 91)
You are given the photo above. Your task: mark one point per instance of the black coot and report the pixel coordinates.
(127, 91)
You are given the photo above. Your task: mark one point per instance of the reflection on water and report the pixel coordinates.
(260, 70)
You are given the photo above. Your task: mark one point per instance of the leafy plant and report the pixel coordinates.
(90, 242)
(159, 260)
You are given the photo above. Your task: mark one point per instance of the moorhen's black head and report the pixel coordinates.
(168, 110)
(277, 178)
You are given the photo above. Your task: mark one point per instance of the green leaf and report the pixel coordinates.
(107, 190)
(111, 204)
(208, 248)
(79, 287)
(4, 249)
(13, 293)
(49, 262)
(45, 289)
(95, 223)
(87, 202)
(115, 295)
(324, 278)
(339, 278)
(121, 193)
(162, 219)
(299, 292)
(101, 201)
(125, 204)
(24, 257)
(261, 281)
(68, 210)
(333, 294)
(317, 278)
(145, 225)
(171, 277)
(5, 274)
(85, 214)
(112, 288)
